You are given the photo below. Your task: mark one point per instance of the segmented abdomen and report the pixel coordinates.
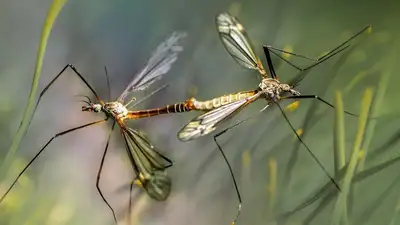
(191, 104)
(175, 108)
(220, 101)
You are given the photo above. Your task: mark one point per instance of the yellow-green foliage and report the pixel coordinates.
(340, 212)
(53, 12)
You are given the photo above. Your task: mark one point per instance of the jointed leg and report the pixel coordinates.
(232, 175)
(55, 78)
(318, 61)
(42, 149)
(99, 174)
(344, 45)
(59, 74)
(227, 162)
(328, 54)
(308, 149)
(130, 203)
(270, 65)
(318, 98)
(108, 84)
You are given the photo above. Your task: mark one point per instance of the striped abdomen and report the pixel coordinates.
(175, 108)
(191, 104)
(220, 101)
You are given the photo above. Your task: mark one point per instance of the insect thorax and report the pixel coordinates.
(273, 89)
(115, 109)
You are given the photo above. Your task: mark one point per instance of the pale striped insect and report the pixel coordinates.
(236, 41)
(148, 163)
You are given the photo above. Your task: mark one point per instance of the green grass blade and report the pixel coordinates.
(341, 202)
(395, 214)
(52, 14)
(272, 184)
(376, 105)
(310, 115)
(387, 62)
(339, 134)
(371, 208)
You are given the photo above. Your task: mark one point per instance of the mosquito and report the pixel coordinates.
(236, 41)
(147, 162)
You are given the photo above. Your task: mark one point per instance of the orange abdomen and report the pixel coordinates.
(191, 104)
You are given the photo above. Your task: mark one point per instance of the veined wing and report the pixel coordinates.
(159, 64)
(237, 43)
(148, 163)
(208, 122)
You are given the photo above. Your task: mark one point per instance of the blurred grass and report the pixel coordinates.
(370, 127)
(246, 168)
(338, 147)
(327, 192)
(339, 134)
(52, 14)
(141, 204)
(312, 119)
(21, 194)
(365, 74)
(376, 106)
(339, 215)
(272, 181)
(395, 214)
(310, 115)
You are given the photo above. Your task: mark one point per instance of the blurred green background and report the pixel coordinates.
(60, 187)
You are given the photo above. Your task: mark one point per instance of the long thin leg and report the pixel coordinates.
(308, 149)
(101, 169)
(233, 178)
(272, 69)
(240, 122)
(55, 78)
(43, 148)
(108, 84)
(318, 60)
(270, 65)
(318, 98)
(72, 67)
(130, 203)
(227, 162)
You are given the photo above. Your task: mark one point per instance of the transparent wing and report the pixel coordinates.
(148, 163)
(208, 122)
(159, 64)
(236, 41)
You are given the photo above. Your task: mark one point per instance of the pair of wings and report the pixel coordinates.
(236, 41)
(159, 64)
(147, 162)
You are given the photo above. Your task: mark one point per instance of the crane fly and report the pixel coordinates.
(147, 162)
(236, 41)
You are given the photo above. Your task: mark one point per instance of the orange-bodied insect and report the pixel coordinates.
(147, 162)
